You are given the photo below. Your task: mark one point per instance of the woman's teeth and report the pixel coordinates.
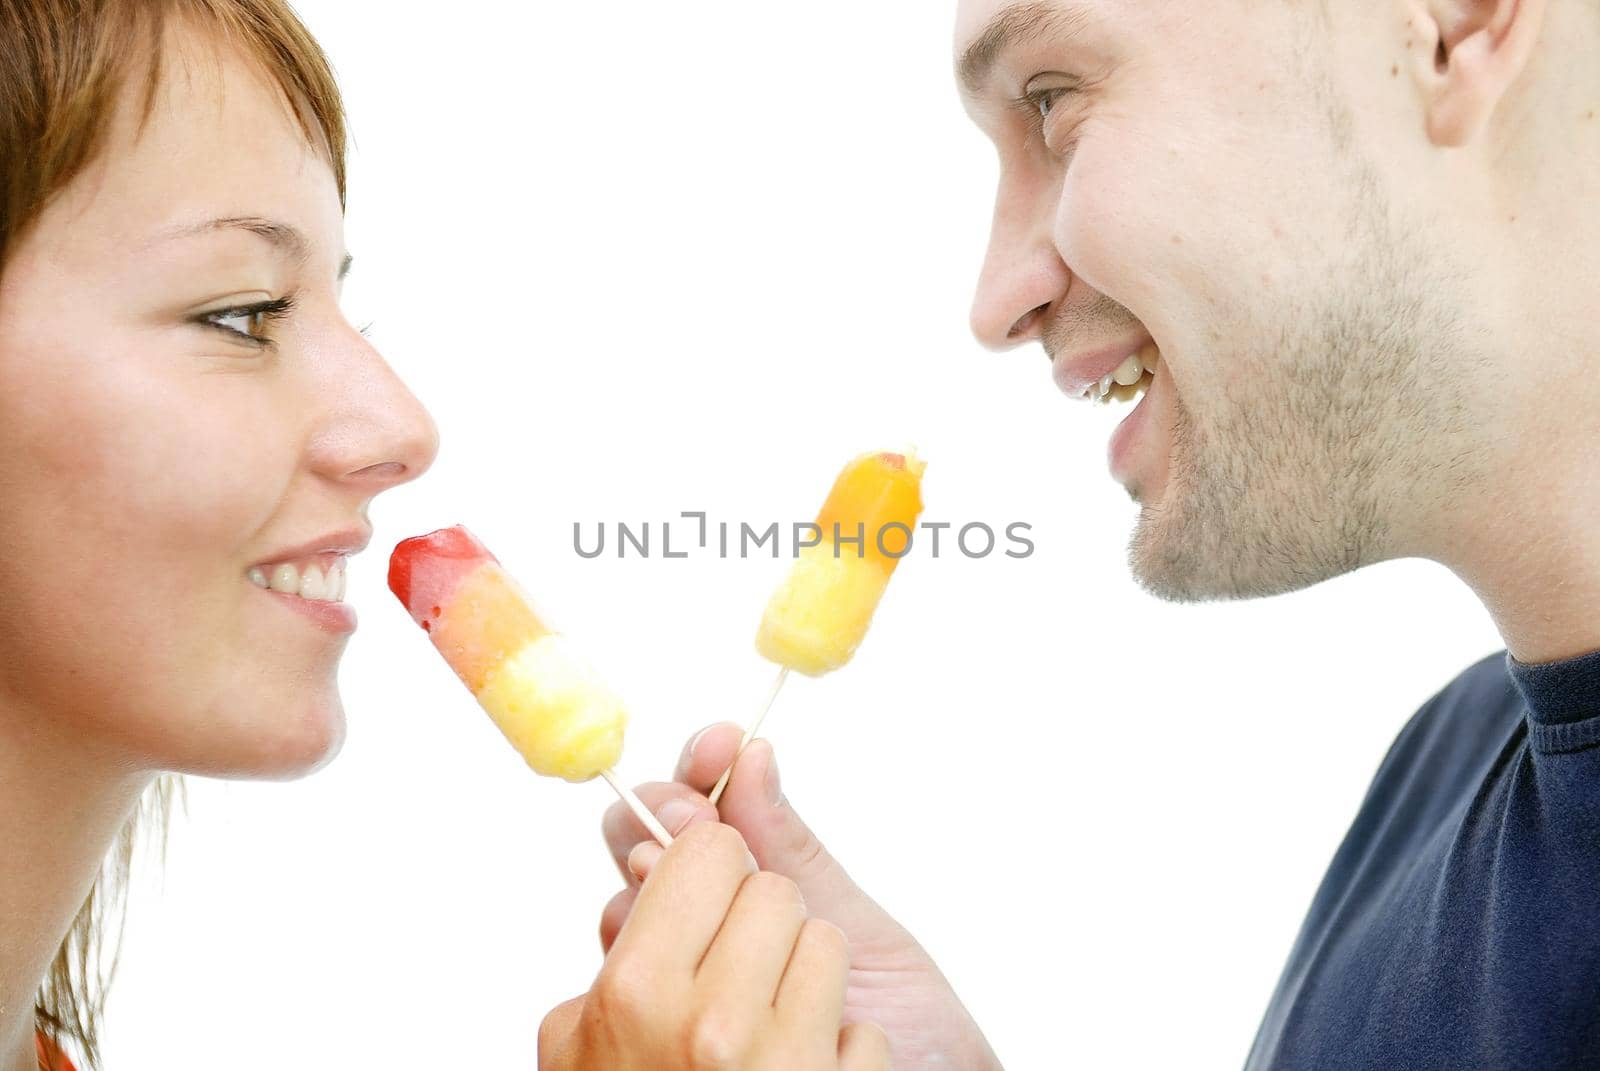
(308, 583)
(1130, 379)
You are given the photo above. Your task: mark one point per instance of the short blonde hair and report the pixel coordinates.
(64, 65)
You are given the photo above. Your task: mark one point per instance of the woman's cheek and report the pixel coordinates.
(178, 469)
(150, 496)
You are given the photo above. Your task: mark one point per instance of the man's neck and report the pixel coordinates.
(1530, 549)
(60, 811)
(1528, 540)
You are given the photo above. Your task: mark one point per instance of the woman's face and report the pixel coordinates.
(162, 452)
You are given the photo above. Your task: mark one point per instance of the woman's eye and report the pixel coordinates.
(244, 323)
(249, 321)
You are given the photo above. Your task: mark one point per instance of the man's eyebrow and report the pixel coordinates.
(282, 236)
(1016, 23)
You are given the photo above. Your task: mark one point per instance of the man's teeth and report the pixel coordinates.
(308, 583)
(1130, 379)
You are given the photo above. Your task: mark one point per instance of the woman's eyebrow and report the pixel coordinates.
(284, 237)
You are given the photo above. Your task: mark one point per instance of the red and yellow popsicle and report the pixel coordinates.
(545, 699)
(819, 615)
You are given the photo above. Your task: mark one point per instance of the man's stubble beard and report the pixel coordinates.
(1341, 447)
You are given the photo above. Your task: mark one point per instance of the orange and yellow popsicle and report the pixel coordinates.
(545, 699)
(819, 615)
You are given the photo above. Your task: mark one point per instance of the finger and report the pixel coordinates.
(615, 914)
(557, 1032)
(643, 859)
(755, 805)
(674, 805)
(747, 959)
(863, 1047)
(813, 986)
(682, 905)
(707, 755)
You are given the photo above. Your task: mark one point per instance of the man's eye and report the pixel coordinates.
(1044, 101)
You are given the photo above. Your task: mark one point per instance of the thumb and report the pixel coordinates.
(558, 1035)
(755, 805)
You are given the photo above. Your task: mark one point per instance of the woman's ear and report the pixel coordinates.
(1465, 56)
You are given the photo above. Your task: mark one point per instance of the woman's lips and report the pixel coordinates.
(336, 617)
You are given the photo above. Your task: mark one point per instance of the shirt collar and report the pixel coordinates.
(1559, 693)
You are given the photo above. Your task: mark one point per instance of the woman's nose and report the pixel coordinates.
(381, 435)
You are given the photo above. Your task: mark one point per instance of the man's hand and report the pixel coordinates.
(893, 982)
(718, 968)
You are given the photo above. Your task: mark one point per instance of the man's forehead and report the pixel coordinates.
(973, 17)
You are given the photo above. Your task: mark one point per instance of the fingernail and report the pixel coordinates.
(643, 858)
(675, 814)
(770, 783)
(686, 759)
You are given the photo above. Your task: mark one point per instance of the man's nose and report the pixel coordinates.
(1022, 277)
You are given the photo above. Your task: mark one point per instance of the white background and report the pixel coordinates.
(641, 258)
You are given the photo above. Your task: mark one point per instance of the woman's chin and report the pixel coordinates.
(282, 744)
(317, 737)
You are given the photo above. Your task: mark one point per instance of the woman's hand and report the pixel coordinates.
(893, 982)
(716, 969)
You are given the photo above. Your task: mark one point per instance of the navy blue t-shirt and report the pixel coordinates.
(1458, 927)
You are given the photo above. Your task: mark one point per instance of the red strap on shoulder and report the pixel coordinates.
(51, 1058)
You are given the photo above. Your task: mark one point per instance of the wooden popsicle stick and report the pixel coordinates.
(749, 734)
(636, 805)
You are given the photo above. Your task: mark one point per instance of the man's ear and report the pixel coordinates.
(1465, 56)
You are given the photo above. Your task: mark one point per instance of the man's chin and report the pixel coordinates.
(1162, 571)
(1180, 560)
(1177, 559)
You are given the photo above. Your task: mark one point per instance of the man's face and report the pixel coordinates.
(1202, 178)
